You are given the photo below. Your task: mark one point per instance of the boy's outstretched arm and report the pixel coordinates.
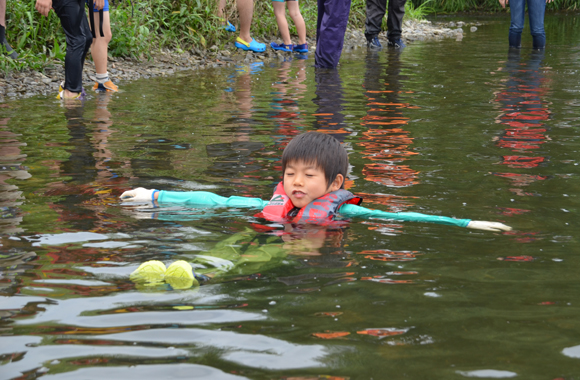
(200, 198)
(350, 210)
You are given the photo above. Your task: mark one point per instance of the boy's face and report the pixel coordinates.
(303, 183)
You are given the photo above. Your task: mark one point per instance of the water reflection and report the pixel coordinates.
(329, 103)
(287, 102)
(387, 144)
(524, 112)
(12, 170)
(15, 258)
(233, 159)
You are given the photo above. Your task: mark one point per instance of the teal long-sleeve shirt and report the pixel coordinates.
(207, 199)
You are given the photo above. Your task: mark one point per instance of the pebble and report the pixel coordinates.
(166, 62)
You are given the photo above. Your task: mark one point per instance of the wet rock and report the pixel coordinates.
(473, 28)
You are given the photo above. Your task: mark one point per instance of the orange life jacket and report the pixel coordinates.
(319, 211)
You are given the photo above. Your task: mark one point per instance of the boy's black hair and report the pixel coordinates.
(319, 149)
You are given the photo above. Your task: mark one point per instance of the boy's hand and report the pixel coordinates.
(488, 226)
(138, 195)
(43, 6)
(99, 4)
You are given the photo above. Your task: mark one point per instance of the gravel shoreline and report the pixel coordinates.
(29, 83)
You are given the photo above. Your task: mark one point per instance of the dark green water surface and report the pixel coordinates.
(456, 128)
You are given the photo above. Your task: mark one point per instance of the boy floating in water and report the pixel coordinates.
(314, 168)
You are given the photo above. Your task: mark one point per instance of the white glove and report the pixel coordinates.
(488, 226)
(138, 195)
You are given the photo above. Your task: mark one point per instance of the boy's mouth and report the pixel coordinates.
(298, 194)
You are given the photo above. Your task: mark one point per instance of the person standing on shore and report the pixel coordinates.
(78, 41)
(330, 30)
(11, 53)
(100, 50)
(536, 11)
(245, 41)
(375, 13)
(221, 13)
(294, 11)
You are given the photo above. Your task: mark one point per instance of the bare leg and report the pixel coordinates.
(280, 13)
(245, 11)
(294, 11)
(221, 10)
(3, 13)
(100, 46)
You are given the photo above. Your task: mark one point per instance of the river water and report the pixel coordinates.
(457, 128)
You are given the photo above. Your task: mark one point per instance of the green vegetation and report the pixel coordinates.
(147, 25)
(454, 6)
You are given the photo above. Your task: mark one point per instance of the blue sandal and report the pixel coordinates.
(252, 46)
(281, 47)
(301, 48)
(229, 27)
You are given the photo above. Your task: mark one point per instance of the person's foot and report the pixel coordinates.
(281, 47)
(229, 27)
(251, 46)
(301, 48)
(69, 95)
(108, 86)
(396, 43)
(9, 51)
(374, 43)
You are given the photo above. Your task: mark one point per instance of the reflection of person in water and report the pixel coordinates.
(523, 115)
(386, 143)
(234, 159)
(329, 99)
(88, 171)
(11, 171)
(286, 92)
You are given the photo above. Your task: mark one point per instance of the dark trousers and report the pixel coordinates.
(375, 13)
(536, 11)
(78, 40)
(330, 30)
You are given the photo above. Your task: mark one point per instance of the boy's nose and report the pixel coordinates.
(298, 180)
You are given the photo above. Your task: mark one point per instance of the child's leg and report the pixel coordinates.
(294, 11)
(280, 13)
(100, 46)
(245, 12)
(100, 50)
(221, 10)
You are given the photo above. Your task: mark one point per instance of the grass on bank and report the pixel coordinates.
(144, 26)
(454, 6)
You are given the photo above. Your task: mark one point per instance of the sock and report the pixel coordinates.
(2, 33)
(103, 78)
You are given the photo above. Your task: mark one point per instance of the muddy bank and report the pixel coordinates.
(30, 83)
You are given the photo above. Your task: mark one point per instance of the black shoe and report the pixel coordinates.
(396, 43)
(374, 43)
(11, 53)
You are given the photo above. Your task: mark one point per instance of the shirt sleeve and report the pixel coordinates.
(207, 199)
(350, 211)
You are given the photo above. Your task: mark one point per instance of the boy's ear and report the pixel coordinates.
(337, 183)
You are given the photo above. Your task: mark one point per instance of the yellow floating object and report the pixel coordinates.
(152, 271)
(180, 275)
